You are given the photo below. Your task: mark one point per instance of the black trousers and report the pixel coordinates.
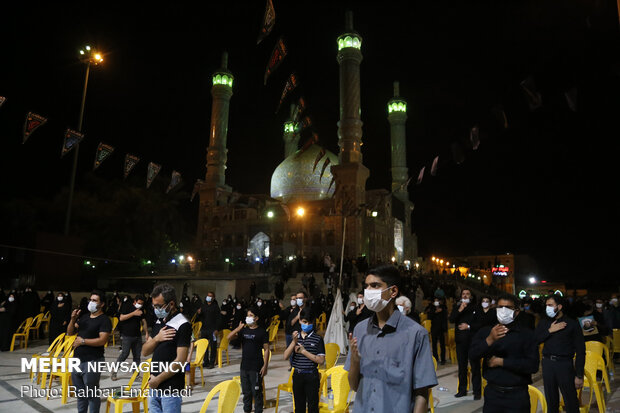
(252, 388)
(441, 337)
(462, 356)
(560, 374)
(211, 353)
(514, 401)
(306, 390)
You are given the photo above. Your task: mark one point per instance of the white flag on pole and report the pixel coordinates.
(336, 332)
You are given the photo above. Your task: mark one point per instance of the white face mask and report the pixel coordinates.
(300, 302)
(401, 309)
(11, 299)
(293, 303)
(224, 302)
(60, 298)
(550, 310)
(209, 299)
(493, 302)
(259, 303)
(436, 303)
(599, 305)
(373, 300)
(139, 306)
(360, 301)
(238, 307)
(505, 315)
(124, 299)
(613, 301)
(180, 305)
(249, 320)
(92, 306)
(485, 304)
(465, 300)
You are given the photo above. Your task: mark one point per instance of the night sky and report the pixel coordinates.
(542, 187)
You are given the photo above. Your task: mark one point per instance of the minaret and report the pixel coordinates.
(217, 152)
(290, 136)
(350, 174)
(397, 116)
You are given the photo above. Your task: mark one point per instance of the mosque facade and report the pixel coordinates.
(310, 211)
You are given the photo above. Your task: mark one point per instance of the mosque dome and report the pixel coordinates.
(294, 179)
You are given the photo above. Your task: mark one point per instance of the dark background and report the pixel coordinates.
(542, 187)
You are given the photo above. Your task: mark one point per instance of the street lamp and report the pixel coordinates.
(90, 57)
(300, 213)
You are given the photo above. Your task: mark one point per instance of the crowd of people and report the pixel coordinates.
(496, 337)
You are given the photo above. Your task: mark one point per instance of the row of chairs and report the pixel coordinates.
(30, 325)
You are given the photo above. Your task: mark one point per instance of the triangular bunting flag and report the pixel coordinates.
(277, 55)
(33, 121)
(571, 99)
(268, 22)
(103, 152)
(327, 161)
(196, 189)
(72, 138)
(174, 181)
(474, 137)
(291, 83)
(421, 175)
(151, 173)
(318, 158)
(2, 100)
(457, 153)
(314, 139)
(130, 162)
(534, 98)
(435, 166)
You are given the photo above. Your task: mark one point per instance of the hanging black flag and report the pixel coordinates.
(474, 137)
(327, 161)
(457, 153)
(268, 21)
(291, 83)
(331, 183)
(33, 121)
(435, 166)
(103, 152)
(197, 186)
(314, 139)
(277, 55)
(318, 158)
(174, 181)
(534, 98)
(130, 162)
(421, 175)
(151, 173)
(72, 138)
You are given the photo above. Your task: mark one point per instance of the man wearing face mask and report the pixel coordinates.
(211, 318)
(389, 362)
(438, 314)
(284, 315)
(563, 340)
(129, 328)
(358, 313)
(293, 318)
(93, 330)
(463, 317)
(510, 358)
(60, 314)
(170, 345)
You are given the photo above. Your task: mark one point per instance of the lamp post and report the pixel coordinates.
(88, 56)
(300, 214)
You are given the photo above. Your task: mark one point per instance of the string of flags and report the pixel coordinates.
(33, 121)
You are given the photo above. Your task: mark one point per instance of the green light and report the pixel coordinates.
(149, 262)
(86, 262)
(226, 260)
(289, 127)
(398, 106)
(270, 214)
(349, 40)
(223, 79)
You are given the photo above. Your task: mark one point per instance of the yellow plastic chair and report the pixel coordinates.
(332, 351)
(200, 347)
(196, 327)
(114, 321)
(585, 408)
(287, 387)
(61, 349)
(22, 334)
(120, 401)
(34, 326)
(423, 317)
(340, 388)
(64, 376)
(193, 318)
(46, 321)
(58, 341)
(431, 401)
(229, 391)
(321, 322)
(223, 348)
(536, 398)
(135, 374)
(591, 381)
(609, 343)
(451, 346)
(616, 340)
(427, 325)
(273, 335)
(602, 350)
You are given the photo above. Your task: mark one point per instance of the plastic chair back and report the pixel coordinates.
(201, 348)
(224, 340)
(332, 350)
(427, 325)
(196, 327)
(229, 392)
(340, 387)
(616, 340)
(536, 398)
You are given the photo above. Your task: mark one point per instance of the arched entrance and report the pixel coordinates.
(259, 247)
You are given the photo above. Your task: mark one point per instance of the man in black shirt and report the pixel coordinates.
(510, 358)
(210, 317)
(563, 340)
(129, 327)
(358, 313)
(463, 318)
(93, 331)
(293, 319)
(170, 345)
(284, 315)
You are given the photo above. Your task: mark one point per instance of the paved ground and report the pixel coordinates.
(11, 380)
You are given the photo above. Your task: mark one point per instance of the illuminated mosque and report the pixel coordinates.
(306, 214)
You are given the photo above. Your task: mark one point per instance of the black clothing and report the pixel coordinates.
(526, 320)
(560, 374)
(210, 317)
(567, 342)
(89, 327)
(30, 304)
(131, 326)
(439, 319)
(466, 316)
(252, 341)
(518, 349)
(602, 328)
(483, 319)
(252, 388)
(306, 391)
(353, 318)
(284, 314)
(463, 340)
(515, 400)
(166, 351)
(296, 326)
(60, 314)
(7, 324)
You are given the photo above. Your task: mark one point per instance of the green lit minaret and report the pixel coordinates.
(221, 91)
(290, 135)
(397, 116)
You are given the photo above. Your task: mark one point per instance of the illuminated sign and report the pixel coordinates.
(501, 270)
(522, 294)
